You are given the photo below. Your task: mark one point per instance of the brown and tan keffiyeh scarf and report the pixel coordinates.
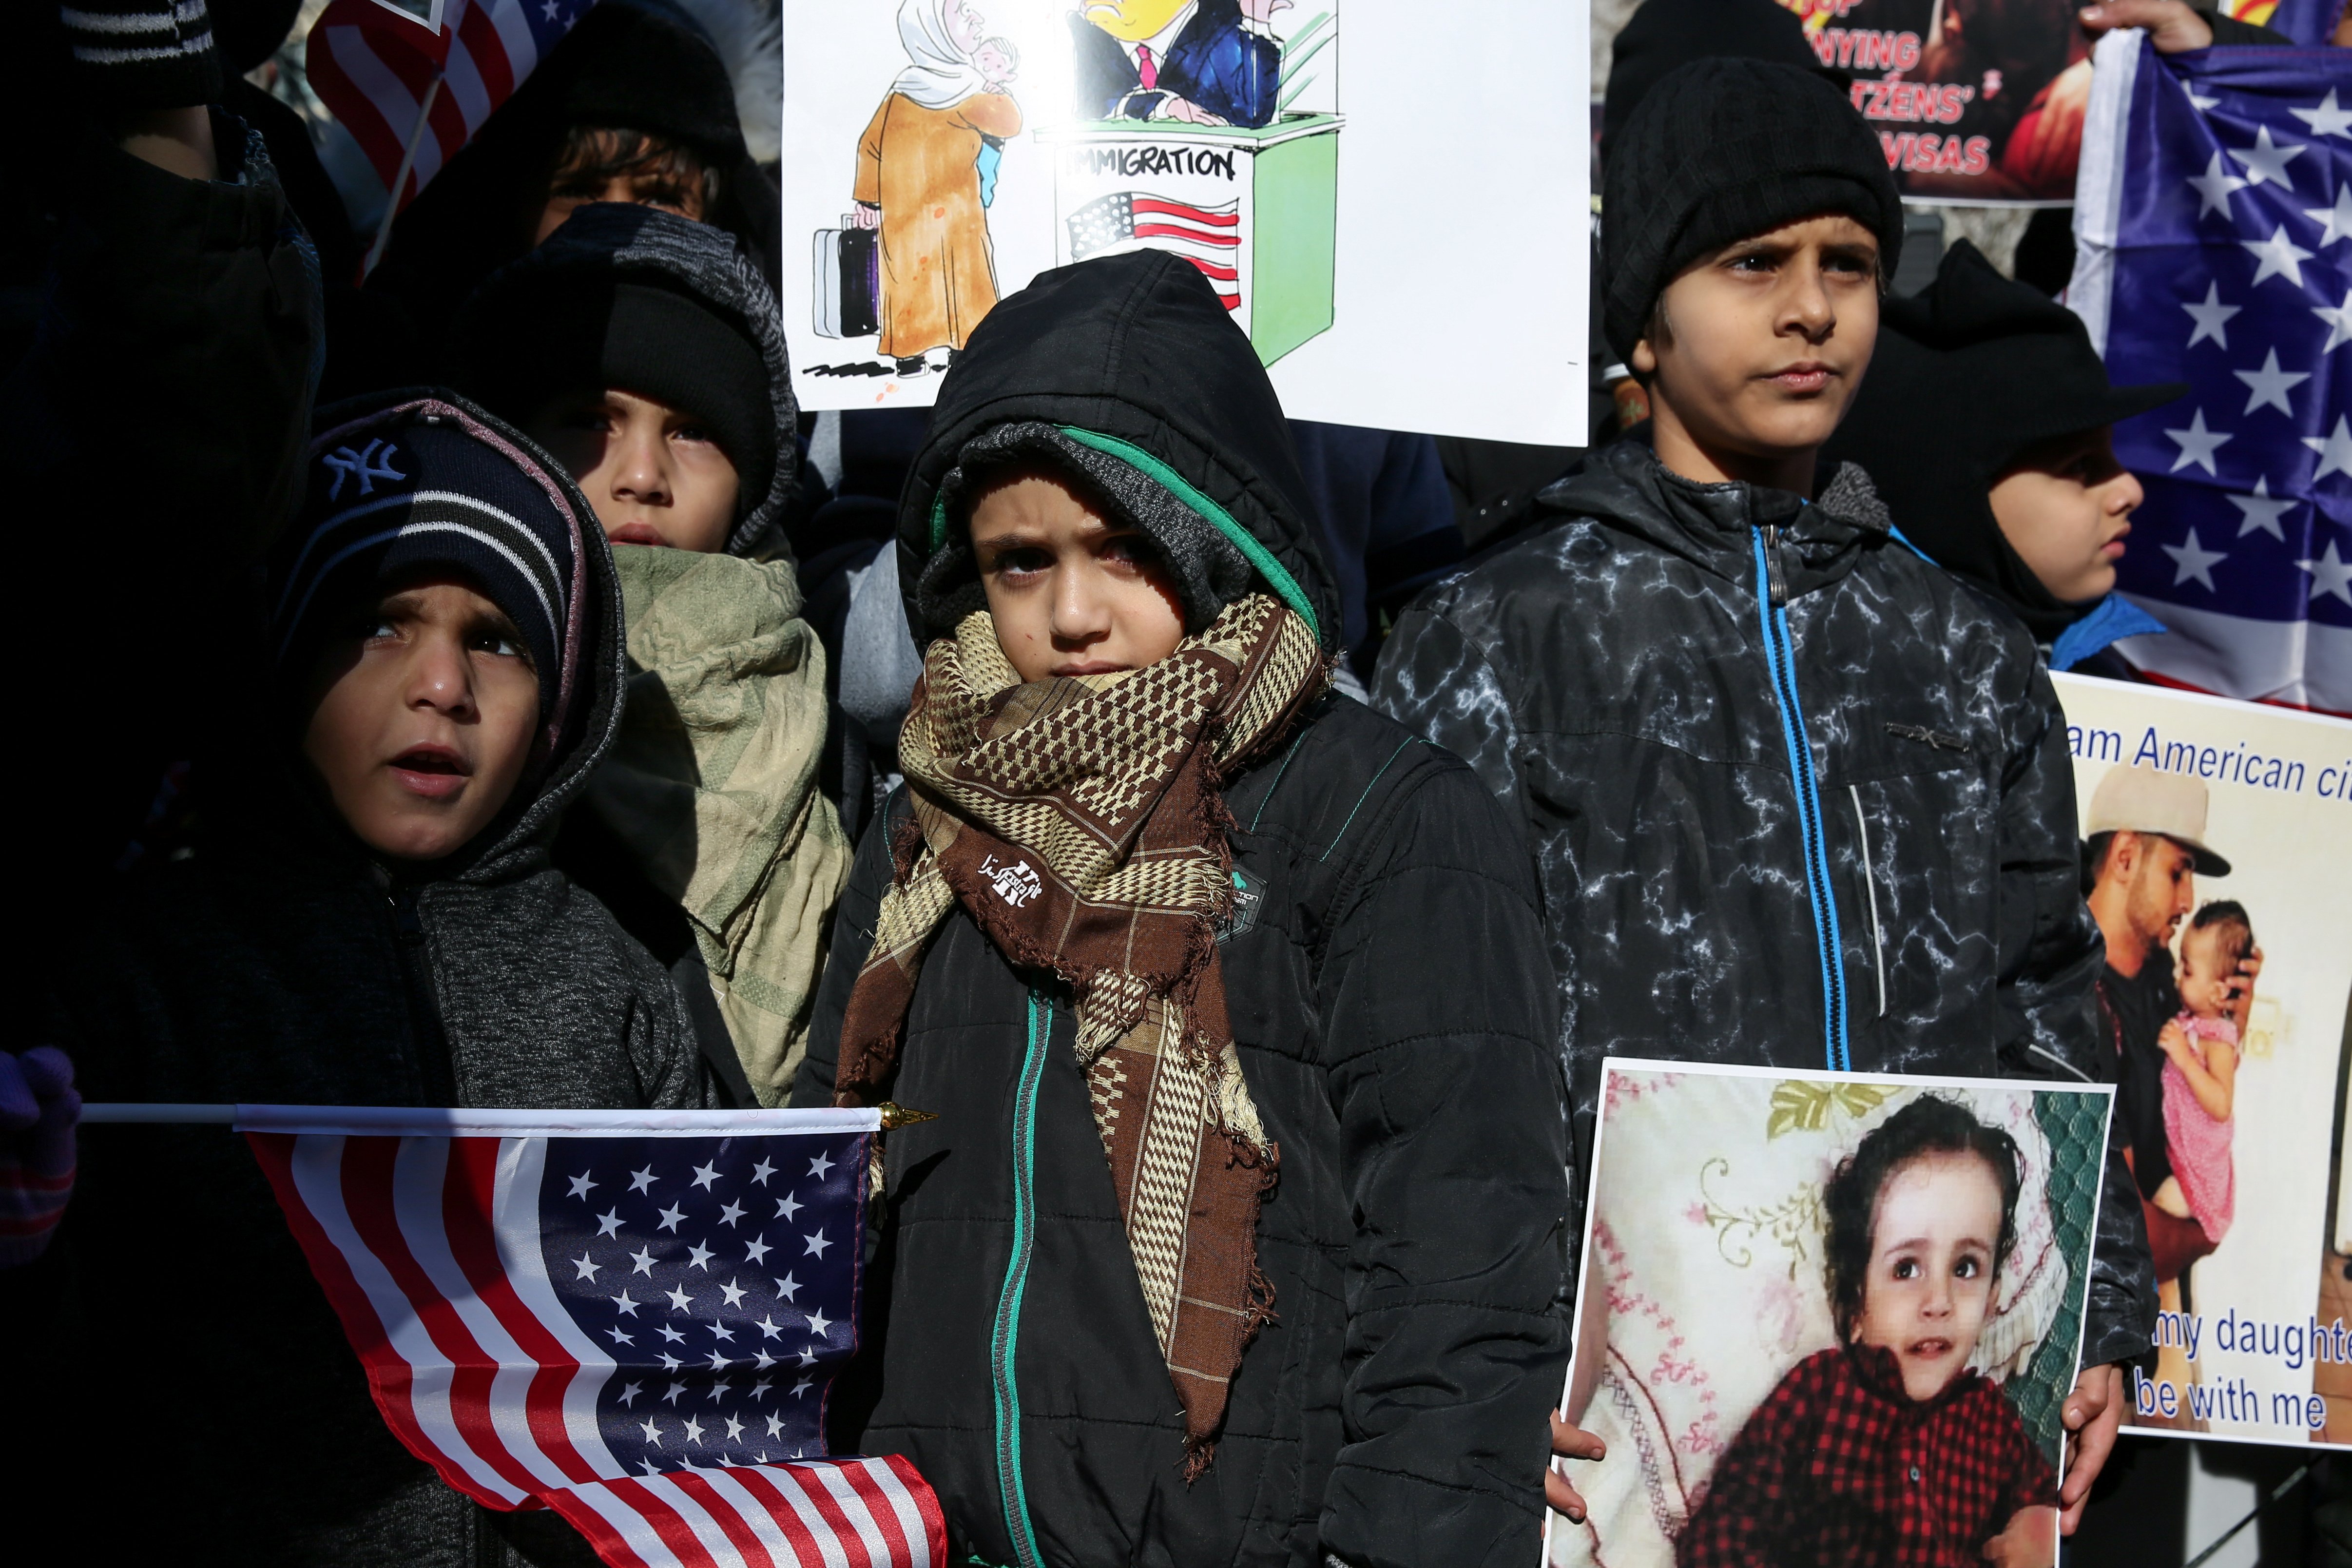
(1078, 820)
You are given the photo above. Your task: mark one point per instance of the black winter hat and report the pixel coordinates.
(1132, 359)
(1723, 149)
(431, 482)
(1209, 569)
(1968, 374)
(581, 333)
(1662, 35)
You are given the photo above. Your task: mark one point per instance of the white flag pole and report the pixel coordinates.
(158, 1113)
(400, 180)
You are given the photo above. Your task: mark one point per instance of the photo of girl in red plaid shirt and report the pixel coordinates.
(1886, 1449)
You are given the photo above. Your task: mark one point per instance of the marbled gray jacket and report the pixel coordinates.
(1614, 678)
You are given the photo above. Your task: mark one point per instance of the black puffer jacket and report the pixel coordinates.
(274, 961)
(1377, 972)
(1610, 679)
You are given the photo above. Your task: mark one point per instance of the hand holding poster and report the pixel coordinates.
(2218, 836)
(954, 149)
(1829, 1316)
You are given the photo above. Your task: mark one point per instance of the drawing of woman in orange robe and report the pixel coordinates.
(917, 179)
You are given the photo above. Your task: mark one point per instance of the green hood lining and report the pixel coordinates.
(1257, 555)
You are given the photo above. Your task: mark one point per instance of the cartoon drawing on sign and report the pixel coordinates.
(1210, 130)
(1195, 61)
(925, 175)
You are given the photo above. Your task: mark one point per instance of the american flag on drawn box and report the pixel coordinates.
(1208, 237)
(374, 62)
(2213, 229)
(630, 1316)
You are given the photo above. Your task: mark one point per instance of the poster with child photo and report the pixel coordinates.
(1829, 1316)
(2217, 847)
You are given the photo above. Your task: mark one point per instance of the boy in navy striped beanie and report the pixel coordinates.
(424, 619)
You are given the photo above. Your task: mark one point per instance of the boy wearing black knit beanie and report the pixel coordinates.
(645, 352)
(1797, 797)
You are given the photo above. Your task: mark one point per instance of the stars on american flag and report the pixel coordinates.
(659, 1284)
(2197, 444)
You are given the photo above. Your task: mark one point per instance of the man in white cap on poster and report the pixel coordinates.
(2144, 849)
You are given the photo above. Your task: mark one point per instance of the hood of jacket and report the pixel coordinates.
(517, 841)
(1627, 490)
(623, 241)
(1137, 351)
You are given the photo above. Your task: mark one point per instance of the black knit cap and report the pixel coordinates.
(1663, 34)
(1967, 374)
(424, 482)
(562, 335)
(1723, 149)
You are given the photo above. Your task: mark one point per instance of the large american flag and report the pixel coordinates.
(1209, 237)
(632, 1318)
(375, 62)
(2214, 225)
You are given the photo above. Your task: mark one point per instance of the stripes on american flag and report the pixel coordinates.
(626, 1368)
(1208, 237)
(373, 64)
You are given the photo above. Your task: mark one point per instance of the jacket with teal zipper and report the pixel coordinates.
(1389, 996)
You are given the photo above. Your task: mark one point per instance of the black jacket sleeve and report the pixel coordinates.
(158, 415)
(2051, 950)
(1441, 1070)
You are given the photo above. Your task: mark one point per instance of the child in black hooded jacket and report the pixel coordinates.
(1237, 1237)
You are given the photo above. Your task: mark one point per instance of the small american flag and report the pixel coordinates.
(632, 1318)
(1208, 237)
(378, 63)
(2213, 227)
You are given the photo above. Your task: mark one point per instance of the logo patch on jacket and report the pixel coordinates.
(1247, 897)
(1016, 882)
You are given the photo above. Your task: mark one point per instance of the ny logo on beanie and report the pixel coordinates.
(363, 465)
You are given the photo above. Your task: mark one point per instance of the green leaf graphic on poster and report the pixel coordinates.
(1799, 1107)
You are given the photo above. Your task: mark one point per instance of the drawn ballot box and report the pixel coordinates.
(1256, 211)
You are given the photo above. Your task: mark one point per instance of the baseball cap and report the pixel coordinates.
(2147, 800)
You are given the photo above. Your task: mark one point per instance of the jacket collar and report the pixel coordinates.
(1626, 488)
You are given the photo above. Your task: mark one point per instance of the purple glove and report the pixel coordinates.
(38, 1108)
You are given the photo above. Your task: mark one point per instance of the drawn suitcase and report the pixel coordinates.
(848, 272)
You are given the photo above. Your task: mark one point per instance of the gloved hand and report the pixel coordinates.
(38, 1108)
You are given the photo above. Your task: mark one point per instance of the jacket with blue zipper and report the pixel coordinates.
(1389, 1000)
(1795, 797)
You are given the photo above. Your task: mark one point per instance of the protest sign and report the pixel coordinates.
(2256, 1334)
(1976, 102)
(1822, 1312)
(1351, 220)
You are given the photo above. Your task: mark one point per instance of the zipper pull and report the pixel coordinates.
(1772, 564)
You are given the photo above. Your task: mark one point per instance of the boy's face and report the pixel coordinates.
(667, 180)
(1931, 1261)
(994, 63)
(2064, 505)
(423, 718)
(1755, 350)
(652, 472)
(1071, 593)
